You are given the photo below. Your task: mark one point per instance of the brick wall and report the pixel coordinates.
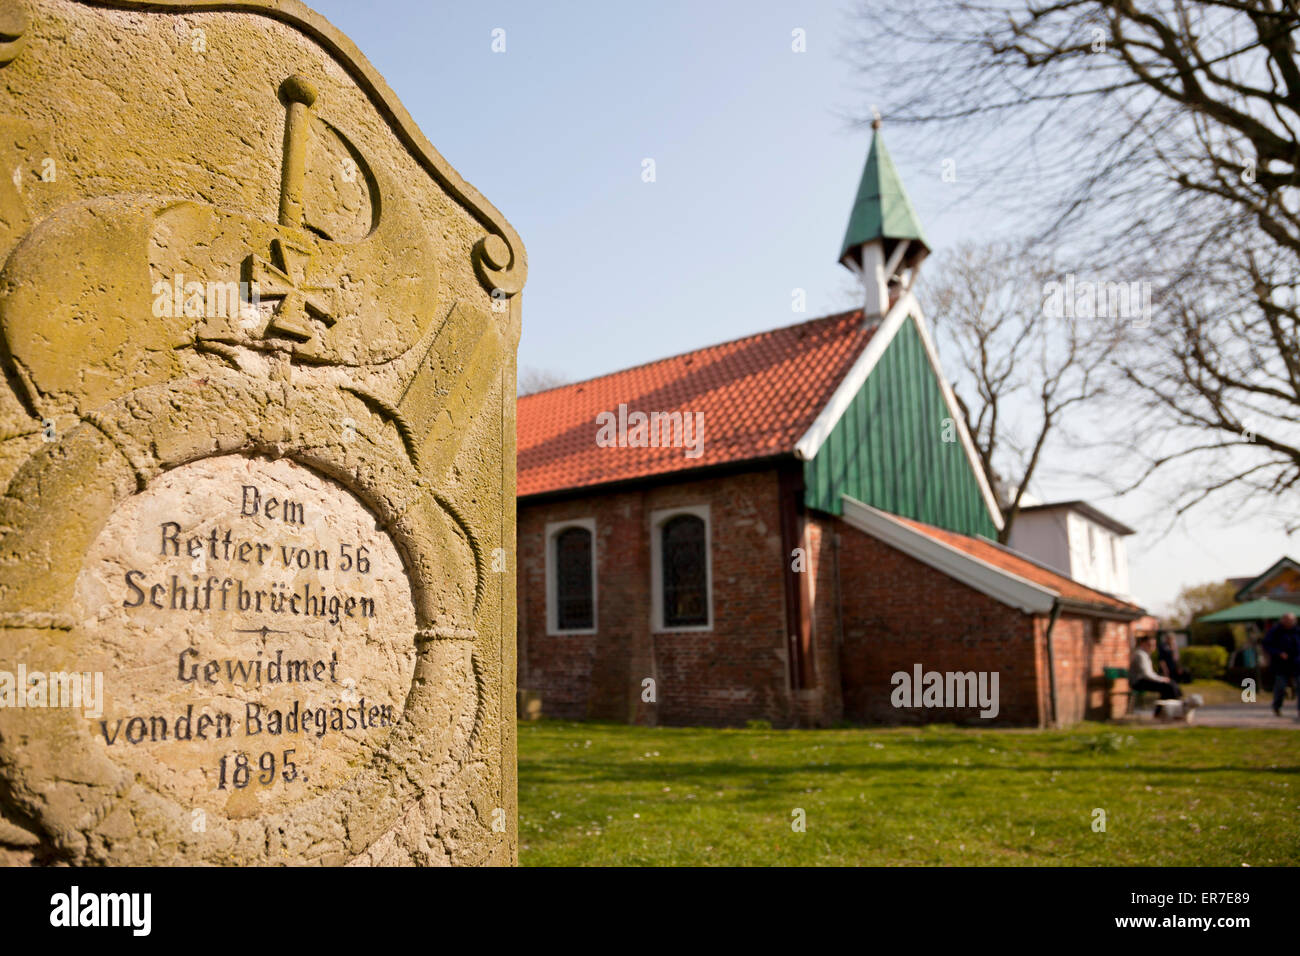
(734, 672)
(1084, 647)
(898, 612)
(876, 611)
(825, 707)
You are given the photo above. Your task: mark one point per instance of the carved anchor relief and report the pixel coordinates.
(330, 300)
(352, 287)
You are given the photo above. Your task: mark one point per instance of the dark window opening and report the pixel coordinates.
(685, 572)
(575, 605)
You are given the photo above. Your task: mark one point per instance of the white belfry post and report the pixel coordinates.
(875, 281)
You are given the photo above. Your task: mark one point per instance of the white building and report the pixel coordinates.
(1076, 539)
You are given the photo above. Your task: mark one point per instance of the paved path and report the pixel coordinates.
(1234, 715)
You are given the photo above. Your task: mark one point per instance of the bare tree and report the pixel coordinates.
(1222, 389)
(1161, 137)
(538, 380)
(1023, 367)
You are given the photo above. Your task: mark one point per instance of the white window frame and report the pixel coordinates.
(553, 529)
(657, 521)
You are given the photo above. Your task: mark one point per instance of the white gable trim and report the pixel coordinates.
(807, 447)
(813, 439)
(1002, 586)
(1273, 568)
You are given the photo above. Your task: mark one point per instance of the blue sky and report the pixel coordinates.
(756, 165)
(755, 171)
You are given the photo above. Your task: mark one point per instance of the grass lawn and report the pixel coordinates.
(610, 794)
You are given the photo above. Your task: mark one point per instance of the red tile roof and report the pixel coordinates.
(1008, 560)
(758, 396)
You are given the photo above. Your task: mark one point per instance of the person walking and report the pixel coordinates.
(1167, 653)
(1283, 645)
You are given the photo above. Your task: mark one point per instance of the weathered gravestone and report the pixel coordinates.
(257, 449)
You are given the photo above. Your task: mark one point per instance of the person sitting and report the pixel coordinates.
(1141, 675)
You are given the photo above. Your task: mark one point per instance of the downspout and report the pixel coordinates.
(839, 594)
(1051, 658)
(789, 491)
(839, 629)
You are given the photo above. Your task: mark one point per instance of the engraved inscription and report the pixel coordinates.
(255, 630)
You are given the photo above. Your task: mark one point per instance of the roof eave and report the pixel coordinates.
(1272, 569)
(1089, 511)
(998, 583)
(693, 473)
(1103, 610)
(1001, 585)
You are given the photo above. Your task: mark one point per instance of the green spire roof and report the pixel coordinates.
(881, 209)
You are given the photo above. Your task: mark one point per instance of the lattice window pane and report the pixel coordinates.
(574, 602)
(685, 572)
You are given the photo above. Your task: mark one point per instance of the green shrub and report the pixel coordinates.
(758, 725)
(1205, 662)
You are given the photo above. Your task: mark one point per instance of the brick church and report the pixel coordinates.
(778, 526)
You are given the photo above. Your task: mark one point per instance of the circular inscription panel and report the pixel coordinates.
(255, 631)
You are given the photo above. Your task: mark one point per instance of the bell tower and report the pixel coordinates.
(884, 243)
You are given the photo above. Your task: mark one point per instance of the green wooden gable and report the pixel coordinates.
(897, 449)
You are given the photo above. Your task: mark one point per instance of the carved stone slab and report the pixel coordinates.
(257, 443)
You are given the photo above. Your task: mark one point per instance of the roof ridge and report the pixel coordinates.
(1085, 508)
(703, 348)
